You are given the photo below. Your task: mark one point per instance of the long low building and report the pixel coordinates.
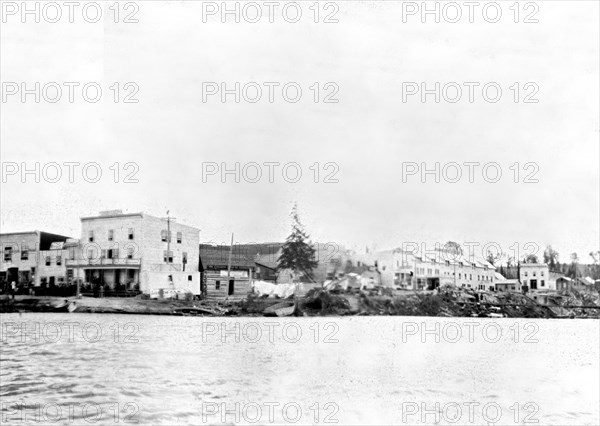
(420, 271)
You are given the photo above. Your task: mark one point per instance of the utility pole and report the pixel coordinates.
(229, 259)
(168, 218)
(169, 242)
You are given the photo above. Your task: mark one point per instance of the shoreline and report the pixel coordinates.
(313, 304)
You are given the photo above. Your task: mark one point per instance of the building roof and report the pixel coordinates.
(586, 280)
(266, 260)
(507, 281)
(112, 214)
(19, 233)
(563, 277)
(218, 257)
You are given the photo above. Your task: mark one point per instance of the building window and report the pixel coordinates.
(24, 253)
(164, 234)
(90, 253)
(470, 276)
(168, 256)
(60, 280)
(130, 233)
(91, 236)
(542, 273)
(58, 260)
(111, 234)
(179, 237)
(47, 260)
(170, 278)
(534, 273)
(130, 253)
(8, 254)
(217, 285)
(189, 278)
(525, 273)
(542, 283)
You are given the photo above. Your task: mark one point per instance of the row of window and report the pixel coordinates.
(109, 253)
(114, 254)
(164, 235)
(447, 262)
(430, 271)
(25, 256)
(8, 252)
(534, 272)
(167, 236)
(111, 235)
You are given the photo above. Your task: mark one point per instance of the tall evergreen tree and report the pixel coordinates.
(297, 253)
(551, 257)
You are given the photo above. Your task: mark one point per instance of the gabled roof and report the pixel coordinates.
(586, 280)
(266, 260)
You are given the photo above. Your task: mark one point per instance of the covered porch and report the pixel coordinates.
(111, 277)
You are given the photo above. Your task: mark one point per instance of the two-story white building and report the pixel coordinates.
(129, 251)
(536, 276)
(35, 257)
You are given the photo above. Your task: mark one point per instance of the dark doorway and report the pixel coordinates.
(533, 284)
(12, 275)
(231, 287)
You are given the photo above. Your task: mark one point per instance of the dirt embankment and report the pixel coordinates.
(450, 302)
(447, 302)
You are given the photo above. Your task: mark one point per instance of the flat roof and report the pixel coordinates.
(112, 216)
(18, 233)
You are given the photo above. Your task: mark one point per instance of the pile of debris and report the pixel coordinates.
(448, 301)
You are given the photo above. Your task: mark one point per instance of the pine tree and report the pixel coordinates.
(297, 253)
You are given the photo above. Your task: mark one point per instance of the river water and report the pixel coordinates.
(121, 369)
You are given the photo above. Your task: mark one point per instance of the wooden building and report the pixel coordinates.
(224, 278)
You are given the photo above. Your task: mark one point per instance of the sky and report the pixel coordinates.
(166, 143)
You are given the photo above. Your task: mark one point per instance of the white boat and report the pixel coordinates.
(283, 309)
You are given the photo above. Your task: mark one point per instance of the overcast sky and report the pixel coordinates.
(368, 134)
